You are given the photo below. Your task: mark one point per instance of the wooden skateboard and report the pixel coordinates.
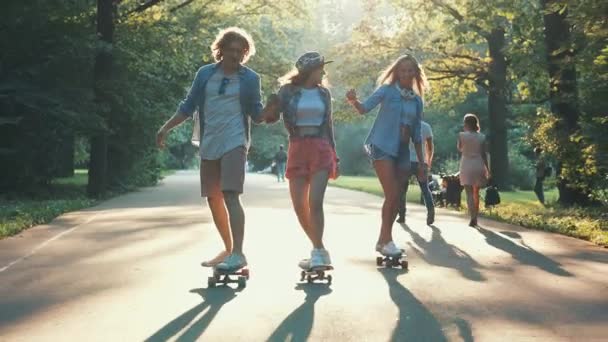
(316, 274)
(392, 261)
(238, 276)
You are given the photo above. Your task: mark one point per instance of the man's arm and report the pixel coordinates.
(430, 150)
(174, 121)
(258, 108)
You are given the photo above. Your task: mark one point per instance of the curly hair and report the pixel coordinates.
(226, 36)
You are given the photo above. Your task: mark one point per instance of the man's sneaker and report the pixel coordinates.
(304, 264)
(390, 249)
(218, 258)
(400, 219)
(232, 263)
(317, 258)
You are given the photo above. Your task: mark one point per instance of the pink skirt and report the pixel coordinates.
(306, 156)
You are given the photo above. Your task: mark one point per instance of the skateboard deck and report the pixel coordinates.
(317, 274)
(238, 276)
(392, 261)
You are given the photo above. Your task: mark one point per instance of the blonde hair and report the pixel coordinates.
(226, 36)
(387, 76)
(297, 78)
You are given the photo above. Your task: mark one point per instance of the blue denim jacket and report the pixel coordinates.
(250, 96)
(289, 96)
(385, 133)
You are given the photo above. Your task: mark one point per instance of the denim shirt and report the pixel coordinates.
(386, 133)
(289, 96)
(250, 96)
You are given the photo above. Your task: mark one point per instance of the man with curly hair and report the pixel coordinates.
(227, 96)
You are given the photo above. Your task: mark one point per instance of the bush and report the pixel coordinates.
(350, 138)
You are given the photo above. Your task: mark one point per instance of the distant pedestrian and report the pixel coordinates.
(280, 160)
(474, 171)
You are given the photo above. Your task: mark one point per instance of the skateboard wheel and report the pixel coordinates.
(246, 273)
(379, 261)
(211, 282)
(329, 278)
(404, 264)
(302, 275)
(242, 281)
(309, 279)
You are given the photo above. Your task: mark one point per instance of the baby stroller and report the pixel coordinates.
(451, 190)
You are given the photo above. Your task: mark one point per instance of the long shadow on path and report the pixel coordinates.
(214, 299)
(440, 253)
(297, 326)
(416, 322)
(525, 255)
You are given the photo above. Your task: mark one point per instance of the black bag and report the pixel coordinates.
(492, 196)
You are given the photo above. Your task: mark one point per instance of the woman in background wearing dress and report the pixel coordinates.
(474, 170)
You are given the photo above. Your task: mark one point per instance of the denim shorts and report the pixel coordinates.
(402, 160)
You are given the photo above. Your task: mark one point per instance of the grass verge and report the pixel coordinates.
(22, 211)
(517, 207)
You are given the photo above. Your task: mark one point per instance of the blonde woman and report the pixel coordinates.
(400, 95)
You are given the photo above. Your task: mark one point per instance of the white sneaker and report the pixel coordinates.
(316, 258)
(232, 263)
(326, 258)
(390, 249)
(304, 264)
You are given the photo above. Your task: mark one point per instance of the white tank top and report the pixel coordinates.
(311, 109)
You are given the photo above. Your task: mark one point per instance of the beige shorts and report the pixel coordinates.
(224, 174)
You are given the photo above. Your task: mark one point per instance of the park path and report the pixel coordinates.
(128, 270)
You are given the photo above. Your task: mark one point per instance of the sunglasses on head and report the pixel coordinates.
(223, 86)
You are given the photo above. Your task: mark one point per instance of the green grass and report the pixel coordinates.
(24, 210)
(517, 207)
(19, 212)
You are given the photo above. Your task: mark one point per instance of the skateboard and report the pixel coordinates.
(226, 277)
(316, 273)
(392, 261)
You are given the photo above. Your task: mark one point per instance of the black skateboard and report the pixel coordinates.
(392, 261)
(238, 276)
(316, 274)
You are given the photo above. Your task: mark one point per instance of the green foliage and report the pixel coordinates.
(349, 141)
(266, 141)
(48, 110)
(23, 210)
(18, 215)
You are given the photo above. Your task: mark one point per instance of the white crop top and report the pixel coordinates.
(311, 109)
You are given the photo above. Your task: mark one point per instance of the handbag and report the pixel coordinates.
(492, 196)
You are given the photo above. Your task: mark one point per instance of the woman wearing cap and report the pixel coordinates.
(399, 93)
(305, 105)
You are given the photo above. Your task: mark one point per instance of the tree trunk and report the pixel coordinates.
(563, 95)
(497, 109)
(102, 72)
